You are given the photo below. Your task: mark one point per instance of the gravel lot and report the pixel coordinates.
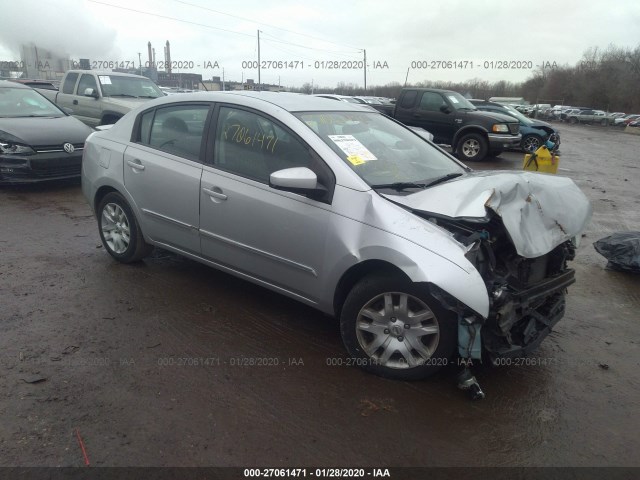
(171, 363)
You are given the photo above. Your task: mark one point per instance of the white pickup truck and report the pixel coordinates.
(101, 98)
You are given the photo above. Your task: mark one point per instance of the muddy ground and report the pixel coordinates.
(149, 362)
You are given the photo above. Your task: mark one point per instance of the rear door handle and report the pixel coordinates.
(75, 102)
(135, 164)
(214, 194)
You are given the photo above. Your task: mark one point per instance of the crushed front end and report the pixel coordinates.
(527, 295)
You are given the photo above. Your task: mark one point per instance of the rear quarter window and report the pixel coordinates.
(409, 99)
(69, 83)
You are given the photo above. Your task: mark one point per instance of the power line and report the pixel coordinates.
(310, 48)
(288, 51)
(167, 17)
(172, 18)
(262, 23)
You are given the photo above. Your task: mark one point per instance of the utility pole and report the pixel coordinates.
(258, 59)
(223, 79)
(406, 78)
(365, 71)
(140, 61)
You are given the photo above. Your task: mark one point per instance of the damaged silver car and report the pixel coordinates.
(345, 210)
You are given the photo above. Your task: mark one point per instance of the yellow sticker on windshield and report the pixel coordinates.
(355, 160)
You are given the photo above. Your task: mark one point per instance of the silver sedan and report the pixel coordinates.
(347, 211)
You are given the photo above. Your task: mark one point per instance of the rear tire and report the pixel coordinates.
(119, 230)
(394, 328)
(472, 147)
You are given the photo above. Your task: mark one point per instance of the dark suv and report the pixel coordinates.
(534, 132)
(454, 121)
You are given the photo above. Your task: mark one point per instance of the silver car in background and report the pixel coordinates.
(345, 210)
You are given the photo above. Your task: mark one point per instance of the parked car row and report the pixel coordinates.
(576, 115)
(380, 104)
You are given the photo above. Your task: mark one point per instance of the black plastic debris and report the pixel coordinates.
(34, 379)
(622, 249)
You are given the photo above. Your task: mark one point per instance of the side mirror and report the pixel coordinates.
(445, 109)
(67, 110)
(300, 180)
(90, 92)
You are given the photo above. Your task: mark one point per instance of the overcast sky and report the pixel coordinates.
(396, 32)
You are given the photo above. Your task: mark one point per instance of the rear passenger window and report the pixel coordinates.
(145, 127)
(69, 82)
(409, 99)
(177, 130)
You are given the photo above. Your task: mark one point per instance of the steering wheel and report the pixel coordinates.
(168, 142)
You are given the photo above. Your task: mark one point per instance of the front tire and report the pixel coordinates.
(396, 329)
(472, 147)
(119, 230)
(530, 143)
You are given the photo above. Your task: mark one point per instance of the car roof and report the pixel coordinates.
(425, 89)
(291, 102)
(108, 73)
(9, 84)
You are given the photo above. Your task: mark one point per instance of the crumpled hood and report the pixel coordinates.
(539, 211)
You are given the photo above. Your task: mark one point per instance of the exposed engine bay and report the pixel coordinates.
(527, 295)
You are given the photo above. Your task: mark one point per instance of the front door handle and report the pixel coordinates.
(135, 164)
(212, 193)
(75, 102)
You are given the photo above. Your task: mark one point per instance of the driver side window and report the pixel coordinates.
(86, 81)
(431, 102)
(254, 146)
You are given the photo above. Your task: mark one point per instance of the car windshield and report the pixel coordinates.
(516, 114)
(379, 150)
(119, 86)
(25, 102)
(459, 102)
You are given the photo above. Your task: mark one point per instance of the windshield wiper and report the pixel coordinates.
(444, 178)
(399, 185)
(146, 96)
(122, 95)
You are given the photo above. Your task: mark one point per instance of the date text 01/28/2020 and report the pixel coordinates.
(317, 472)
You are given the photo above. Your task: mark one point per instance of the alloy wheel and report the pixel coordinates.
(397, 330)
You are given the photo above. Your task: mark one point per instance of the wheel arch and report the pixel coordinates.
(466, 130)
(355, 273)
(100, 194)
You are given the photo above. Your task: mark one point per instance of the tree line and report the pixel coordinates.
(606, 79)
